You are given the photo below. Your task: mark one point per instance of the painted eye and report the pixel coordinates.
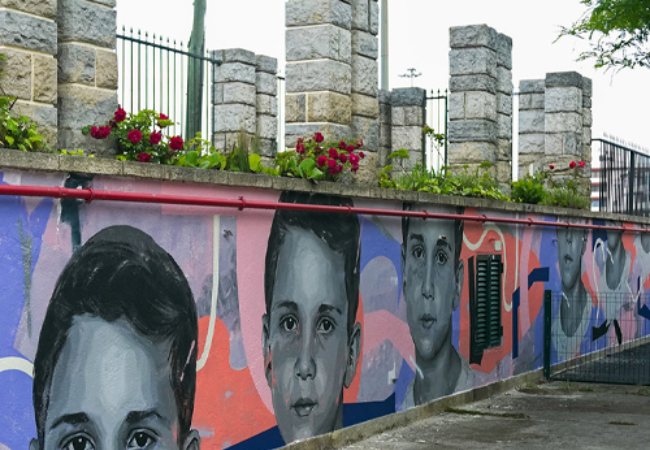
(79, 443)
(441, 257)
(140, 440)
(289, 324)
(326, 326)
(418, 252)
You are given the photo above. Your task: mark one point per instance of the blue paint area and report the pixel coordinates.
(17, 418)
(588, 345)
(374, 243)
(406, 375)
(455, 329)
(598, 234)
(353, 413)
(535, 276)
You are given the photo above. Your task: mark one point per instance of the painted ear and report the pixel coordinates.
(460, 279)
(266, 347)
(33, 445)
(585, 238)
(192, 441)
(353, 354)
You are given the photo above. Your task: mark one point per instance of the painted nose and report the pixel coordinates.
(305, 366)
(427, 287)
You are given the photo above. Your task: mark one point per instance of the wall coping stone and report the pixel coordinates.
(44, 162)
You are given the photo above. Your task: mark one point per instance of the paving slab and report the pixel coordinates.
(557, 415)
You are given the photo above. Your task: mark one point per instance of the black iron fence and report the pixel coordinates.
(624, 179)
(154, 75)
(436, 116)
(602, 341)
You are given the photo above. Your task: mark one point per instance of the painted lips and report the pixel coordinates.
(304, 407)
(427, 321)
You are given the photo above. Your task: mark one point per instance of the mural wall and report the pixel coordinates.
(147, 326)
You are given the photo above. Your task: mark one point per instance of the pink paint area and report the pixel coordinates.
(382, 326)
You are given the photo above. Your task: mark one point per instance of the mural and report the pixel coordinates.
(147, 326)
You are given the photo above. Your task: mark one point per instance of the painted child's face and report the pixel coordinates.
(307, 348)
(431, 283)
(111, 389)
(571, 245)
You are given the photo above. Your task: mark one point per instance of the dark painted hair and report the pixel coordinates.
(458, 231)
(121, 273)
(341, 233)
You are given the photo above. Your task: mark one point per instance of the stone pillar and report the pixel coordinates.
(473, 126)
(587, 122)
(504, 113)
(267, 106)
(407, 120)
(531, 126)
(319, 71)
(87, 71)
(564, 125)
(234, 97)
(28, 37)
(365, 84)
(385, 127)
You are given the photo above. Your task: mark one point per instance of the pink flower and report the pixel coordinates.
(144, 157)
(176, 143)
(551, 167)
(333, 153)
(354, 159)
(155, 138)
(120, 115)
(343, 145)
(362, 155)
(572, 165)
(134, 136)
(322, 160)
(355, 168)
(318, 138)
(331, 164)
(581, 163)
(343, 158)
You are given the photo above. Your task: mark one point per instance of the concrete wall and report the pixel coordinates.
(347, 343)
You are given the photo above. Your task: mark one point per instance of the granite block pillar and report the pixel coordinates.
(504, 113)
(87, 71)
(407, 120)
(531, 127)
(266, 105)
(28, 37)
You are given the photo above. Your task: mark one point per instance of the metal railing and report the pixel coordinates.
(154, 75)
(624, 179)
(436, 116)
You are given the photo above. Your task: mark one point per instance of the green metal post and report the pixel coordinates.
(547, 334)
(195, 71)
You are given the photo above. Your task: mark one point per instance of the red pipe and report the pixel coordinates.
(89, 195)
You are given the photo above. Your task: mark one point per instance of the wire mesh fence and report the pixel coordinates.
(601, 341)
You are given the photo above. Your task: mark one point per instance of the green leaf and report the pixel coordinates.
(255, 163)
(10, 140)
(204, 165)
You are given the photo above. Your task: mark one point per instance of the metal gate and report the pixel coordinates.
(607, 341)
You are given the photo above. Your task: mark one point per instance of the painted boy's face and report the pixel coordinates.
(432, 283)
(571, 245)
(111, 389)
(309, 357)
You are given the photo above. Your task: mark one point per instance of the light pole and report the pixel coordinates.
(384, 45)
(411, 74)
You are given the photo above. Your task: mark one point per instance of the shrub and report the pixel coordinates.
(529, 189)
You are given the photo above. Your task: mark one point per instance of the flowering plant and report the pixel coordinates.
(139, 136)
(320, 159)
(548, 188)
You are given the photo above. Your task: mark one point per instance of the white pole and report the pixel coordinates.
(384, 45)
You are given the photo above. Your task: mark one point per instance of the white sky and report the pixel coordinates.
(419, 38)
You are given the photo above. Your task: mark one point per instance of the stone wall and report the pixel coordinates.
(480, 104)
(531, 126)
(87, 71)
(28, 37)
(407, 120)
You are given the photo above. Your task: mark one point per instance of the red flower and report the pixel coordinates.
(300, 148)
(343, 145)
(354, 159)
(360, 143)
(333, 153)
(176, 143)
(120, 115)
(343, 158)
(339, 168)
(318, 138)
(331, 164)
(322, 160)
(112, 124)
(155, 138)
(581, 163)
(362, 155)
(551, 167)
(94, 132)
(134, 136)
(144, 157)
(355, 168)
(351, 148)
(162, 117)
(572, 165)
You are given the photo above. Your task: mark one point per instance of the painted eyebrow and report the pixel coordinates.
(139, 416)
(328, 308)
(285, 304)
(70, 419)
(416, 237)
(443, 243)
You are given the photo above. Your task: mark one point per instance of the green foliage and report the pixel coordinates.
(566, 198)
(79, 152)
(618, 31)
(530, 189)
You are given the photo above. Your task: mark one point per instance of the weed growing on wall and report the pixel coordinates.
(544, 189)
